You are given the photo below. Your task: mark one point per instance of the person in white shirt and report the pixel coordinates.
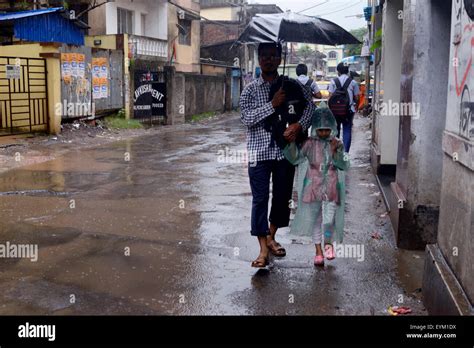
(353, 92)
(302, 72)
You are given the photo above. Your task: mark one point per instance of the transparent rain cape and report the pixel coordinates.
(314, 160)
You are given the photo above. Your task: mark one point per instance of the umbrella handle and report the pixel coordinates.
(284, 65)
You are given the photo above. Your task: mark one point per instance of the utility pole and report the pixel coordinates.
(367, 69)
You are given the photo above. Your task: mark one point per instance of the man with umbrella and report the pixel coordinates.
(257, 107)
(266, 115)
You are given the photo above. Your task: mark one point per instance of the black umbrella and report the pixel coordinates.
(293, 27)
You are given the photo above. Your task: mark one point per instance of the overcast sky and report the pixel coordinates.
(333, 10)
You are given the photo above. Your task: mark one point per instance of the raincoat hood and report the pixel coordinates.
(323, 119)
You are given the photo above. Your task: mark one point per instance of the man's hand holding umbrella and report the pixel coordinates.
(279, 98)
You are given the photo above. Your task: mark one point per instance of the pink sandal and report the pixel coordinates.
(329, 252)
(319, 260)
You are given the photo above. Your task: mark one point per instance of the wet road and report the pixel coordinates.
(160, 225)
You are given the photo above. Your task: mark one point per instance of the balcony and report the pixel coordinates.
(147, 47)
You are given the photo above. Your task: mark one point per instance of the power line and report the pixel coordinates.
(309, 8)
(342, 9)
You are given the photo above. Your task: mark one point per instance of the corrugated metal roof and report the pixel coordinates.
(48, 25)
(24, 14)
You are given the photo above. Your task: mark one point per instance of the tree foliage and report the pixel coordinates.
(355, 50)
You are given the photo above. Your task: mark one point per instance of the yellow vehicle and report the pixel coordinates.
(323, 87)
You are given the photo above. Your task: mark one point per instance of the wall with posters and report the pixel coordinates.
(91, 81)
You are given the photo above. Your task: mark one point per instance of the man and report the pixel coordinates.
(302, 72)
(353, 92)
(266, 157)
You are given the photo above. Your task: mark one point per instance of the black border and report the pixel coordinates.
(225, 330)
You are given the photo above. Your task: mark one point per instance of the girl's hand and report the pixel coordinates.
(334, 145)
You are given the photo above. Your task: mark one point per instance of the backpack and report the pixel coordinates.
(276, 123)
(340, 102)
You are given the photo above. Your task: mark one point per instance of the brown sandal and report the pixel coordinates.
(276, 249)
(260, 262)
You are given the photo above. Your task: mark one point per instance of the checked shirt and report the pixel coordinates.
(255, 107)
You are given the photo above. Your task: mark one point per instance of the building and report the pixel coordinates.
(221, 10)
(222, 23)
(138, 29)
(327, 59)
(31, 86)
(422, 141)
(184, 35)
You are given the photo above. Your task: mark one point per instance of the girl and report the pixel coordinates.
(321, 193)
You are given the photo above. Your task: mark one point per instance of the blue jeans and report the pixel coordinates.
(282, 174)
(346, 131)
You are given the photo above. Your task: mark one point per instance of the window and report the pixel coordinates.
(332, 69)
(143, 33)
(332, 55)
(124, 21)
(184, 27)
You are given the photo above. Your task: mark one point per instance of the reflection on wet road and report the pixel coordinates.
(160, 225)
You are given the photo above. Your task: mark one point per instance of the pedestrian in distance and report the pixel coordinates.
(343, 98)
(306, 82)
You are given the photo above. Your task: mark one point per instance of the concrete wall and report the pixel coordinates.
(448, 281)
(425, 180)
(213, 70)
(432, 62)
(176, 99)
(108, 42)
(204, 94)
(97, 21)
(418, 178)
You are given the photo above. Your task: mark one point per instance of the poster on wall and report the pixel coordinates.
(95, 68)
(104, 88)
(66, 67)
(96, 94)
(100, 75)
(81, 59)
(74, 65)
(104, 69)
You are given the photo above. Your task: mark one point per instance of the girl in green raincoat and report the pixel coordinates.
(321, 190)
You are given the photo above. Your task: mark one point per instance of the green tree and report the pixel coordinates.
(305, 53)
(355, 50)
